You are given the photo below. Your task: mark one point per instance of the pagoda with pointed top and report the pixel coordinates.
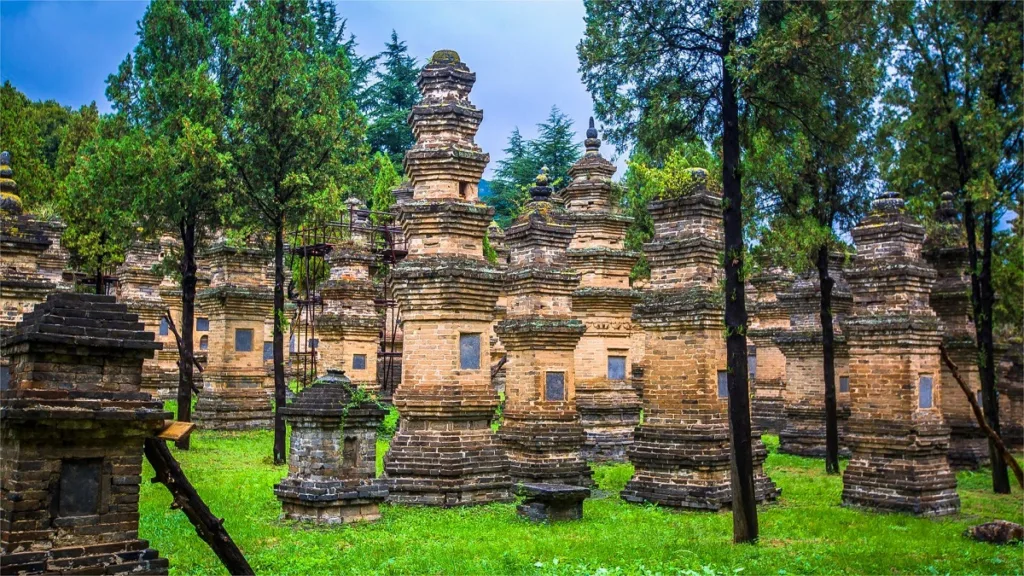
(445, 452)
(897, 434)
(608, 404)
(541, 426)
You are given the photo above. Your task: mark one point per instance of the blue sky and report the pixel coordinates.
(524, 53)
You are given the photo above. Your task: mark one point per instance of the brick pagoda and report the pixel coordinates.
(768, 319)
(445, 453)
(73, 426)
(945, 248)
(496, 236)
(681, 452)
(897, 435)
(608, 404)
(541, 427)
(138, 286)
(332, 461)
(236, 305)
(801, 344)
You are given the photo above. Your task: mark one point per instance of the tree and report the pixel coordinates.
(331, 38)
(954, 122)
(810, 156)
(30, 131)
(554, 147)
(666, 70)
(294, 130)
(169, 92)
(382, 199)
(392, 99)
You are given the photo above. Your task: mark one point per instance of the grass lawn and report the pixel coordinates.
(806, 531)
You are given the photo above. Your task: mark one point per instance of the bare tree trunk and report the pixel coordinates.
(280, 390)
(188, 302)
(828, 348)
(744, 509)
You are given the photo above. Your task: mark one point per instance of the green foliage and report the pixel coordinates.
(382, 198)
(517, 171)
(391, 100)
(806, 532)
(31, 132)
(1008, 279)
(489, 252)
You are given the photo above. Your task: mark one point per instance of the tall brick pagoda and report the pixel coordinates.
(801, 344)
(541, 427)
(445, 453)
(496, 236)
(681, 452)
(608, 404)
(897, 435)
(945, 248)
(73, 426)
(768, 318)
(236, 305)
(138, 286)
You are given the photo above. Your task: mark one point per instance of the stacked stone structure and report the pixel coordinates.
(496, 236)
(444, 452)
(73, 425)
(801, 344)
(681, 452)
(945, 248)
(235, 305)
(769, 318)
(897, 435)
(138, 286)
(332, 462)
(541, 426)
(608, 404)
(348, 330)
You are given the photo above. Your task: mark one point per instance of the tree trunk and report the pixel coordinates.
(982, 300)
(208, 527)
(188, 306)
(744, 509)
(280, 390)
(828, 348)
(99, 279)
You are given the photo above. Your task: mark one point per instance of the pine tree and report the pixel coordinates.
(554, 147)
(331, 38)
(30, 131)
(382, 199)
(513, 176)
(294, 133)
(392, 99)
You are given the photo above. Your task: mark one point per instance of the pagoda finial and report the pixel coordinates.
(947, 207)
(541, 191)
(592, 143)
(9, 200)
(887, 202)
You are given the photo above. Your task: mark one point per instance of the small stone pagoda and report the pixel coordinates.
(332, 462)
(801, 344)
(138, 286)
(235, 307)
(348, 330)
(444, 452)
(681, 452)
(608, 404)
(768, 319)
(945, 248)
(541, 427)
(897, 435)
(73, 425)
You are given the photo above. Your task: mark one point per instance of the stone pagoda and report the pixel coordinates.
(801, 344)
(897, 435)
(444, 452)
(681, 452)
(348, 330)
(332, 461)
(945, 248)
(541, 426)
(73, 425)
(768, 372)
(235, 307)
(496, 236)
(138, 286)
(608, 404)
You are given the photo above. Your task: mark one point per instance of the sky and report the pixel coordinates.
(524, 53)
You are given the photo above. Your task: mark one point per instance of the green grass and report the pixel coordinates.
(806, 531)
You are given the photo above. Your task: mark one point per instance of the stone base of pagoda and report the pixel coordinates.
(330, 501)
(689, 467)
(609, 416)
(543, 450)
(446, 463)
(895, 469)
(767, 409)
(968, 446)
(234, 409)
(804, 433)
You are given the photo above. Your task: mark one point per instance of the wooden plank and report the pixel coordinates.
(174, 430)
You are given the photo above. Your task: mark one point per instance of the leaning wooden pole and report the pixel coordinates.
(980, 417)
(209, 527)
